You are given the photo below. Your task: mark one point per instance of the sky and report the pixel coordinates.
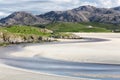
(41, 6)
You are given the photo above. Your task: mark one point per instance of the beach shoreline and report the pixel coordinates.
(100, 51)
(69, 52)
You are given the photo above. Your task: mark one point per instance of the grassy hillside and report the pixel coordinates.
(26, 30)
(20, 34)
(111, 27)
(23, 34)
(81, 27)
(27, 34)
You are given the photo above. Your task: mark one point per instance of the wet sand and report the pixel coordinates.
(100, 52)
(105, 51)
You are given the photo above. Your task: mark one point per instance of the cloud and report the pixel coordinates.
(89, 3)
(42, 6)
(108, 3)
(62, 0)
(3, 14)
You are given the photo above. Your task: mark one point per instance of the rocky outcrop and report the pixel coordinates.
(46, 31)
(66, 36)
(17, 38)
(116, 8)
(1, 37)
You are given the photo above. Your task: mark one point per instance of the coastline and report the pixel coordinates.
(19, 73)
(93, 51)
(38, 75)
(35, 50)
(13, 73)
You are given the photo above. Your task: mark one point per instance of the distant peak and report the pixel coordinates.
(116, 8)
(20, 12)
(85, 8)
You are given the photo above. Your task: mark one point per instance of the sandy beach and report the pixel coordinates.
(7, 73)
(94, 52)
(104, 52)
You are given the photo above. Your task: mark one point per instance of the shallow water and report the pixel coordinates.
(63, 68)
(72, 69)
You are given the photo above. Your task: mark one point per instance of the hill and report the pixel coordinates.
(23, 34)
(82, 27)
(85, 14)
(28, 34)
(22, 18)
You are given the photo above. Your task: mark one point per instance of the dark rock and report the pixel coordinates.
(85, 14)
(116, 8)
(81, 14)
(22, 18)
(15, 38)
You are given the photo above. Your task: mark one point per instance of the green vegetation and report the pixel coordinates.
(4, 44)
(81, 27)
(65, 35)
(23, 34)
(111, 27)
(27, 30)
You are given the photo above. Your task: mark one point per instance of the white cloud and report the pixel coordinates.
(108, 3)
(117, 2)
(42, 6)
(67, 1)
(88, 3)
(3, 14)
(61, 0)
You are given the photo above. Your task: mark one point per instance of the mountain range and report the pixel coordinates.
(85, 13)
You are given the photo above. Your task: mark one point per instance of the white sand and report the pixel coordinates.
(7, 73)
(95, 52)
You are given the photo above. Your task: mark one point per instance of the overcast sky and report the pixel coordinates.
(42, 6)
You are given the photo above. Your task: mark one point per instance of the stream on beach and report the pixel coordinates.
(94, 71)
(65, 68)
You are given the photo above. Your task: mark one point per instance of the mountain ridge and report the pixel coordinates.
(85, 13)
(23, 18)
